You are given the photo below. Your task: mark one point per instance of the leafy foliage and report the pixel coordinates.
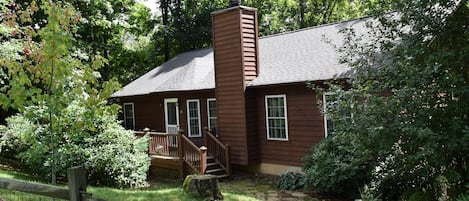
(291, 181)
(64, 117)
(403, 129)
(464, 196)
(112, 156)
(184, 26)
(277, 16)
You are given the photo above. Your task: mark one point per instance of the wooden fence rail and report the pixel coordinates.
(35, 188)
(75, 192)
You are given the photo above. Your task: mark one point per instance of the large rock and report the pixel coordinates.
(203, 186)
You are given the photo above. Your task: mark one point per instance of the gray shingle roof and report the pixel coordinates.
(298, 56)
(188, 71)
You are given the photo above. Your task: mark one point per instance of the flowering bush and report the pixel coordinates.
(111, 155)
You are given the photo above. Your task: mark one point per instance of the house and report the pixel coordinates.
(251, 92)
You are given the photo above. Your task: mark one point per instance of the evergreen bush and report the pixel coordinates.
(291, 181)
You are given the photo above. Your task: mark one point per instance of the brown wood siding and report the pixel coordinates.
(251, 124)
(250, 45)
(149, 110)
(235, 56)
(305, 124)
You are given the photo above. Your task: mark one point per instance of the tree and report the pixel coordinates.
(185, 26)
(277, 16)
(108, 28)
(402, 129)
(64, 116)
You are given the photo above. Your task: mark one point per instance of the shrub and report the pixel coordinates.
(464, 196)
(111, 155)
(291, 181)
(335, 166)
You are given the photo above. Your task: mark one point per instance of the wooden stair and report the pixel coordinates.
(215, 168)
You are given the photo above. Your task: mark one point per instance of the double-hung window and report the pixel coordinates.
(341, 103)
(276, 117)
(193, 118)
(328, 123)
(212, 113)
(129, 119)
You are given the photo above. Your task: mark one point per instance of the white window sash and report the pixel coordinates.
(132, 117)
(210, 118)
(325, 100)
(267, 117)
(190, 134)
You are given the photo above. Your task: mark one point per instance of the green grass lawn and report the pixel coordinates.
(170, 190)
(239, 189)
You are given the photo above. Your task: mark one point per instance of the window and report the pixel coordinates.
(212, 113)
(328, 123)
(276, 117)
(343, 104)
(193, 118)
(129, 120)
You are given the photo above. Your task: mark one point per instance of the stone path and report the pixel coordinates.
(283, 196)
(264, 188)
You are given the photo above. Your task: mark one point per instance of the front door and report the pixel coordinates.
(171, 113)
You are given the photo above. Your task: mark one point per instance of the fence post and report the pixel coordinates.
(180, 144)
(181, 153)
(76, 182)
(227, 159)
(205, 129)
(145, 132)
(203, 159)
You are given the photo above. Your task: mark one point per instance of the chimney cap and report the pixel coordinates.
(233, 8)
(234, 3)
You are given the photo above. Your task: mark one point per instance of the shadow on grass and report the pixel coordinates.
(244, 190)
(172, 190)
(168, 193)
(13, 174)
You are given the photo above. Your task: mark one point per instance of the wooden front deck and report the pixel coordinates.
(176, 151)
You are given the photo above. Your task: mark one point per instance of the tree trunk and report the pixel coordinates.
(203, 186)
(164, 15)
(302, 14)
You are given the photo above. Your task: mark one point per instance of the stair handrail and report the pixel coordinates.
(196, 157)
(214, 146)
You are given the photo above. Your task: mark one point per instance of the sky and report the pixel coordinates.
(150, 4)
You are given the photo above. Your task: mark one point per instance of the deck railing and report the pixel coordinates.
(177, 145)
(218, 150)
(161, 143)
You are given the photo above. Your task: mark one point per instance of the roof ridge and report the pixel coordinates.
(315, 27)
(288, 32)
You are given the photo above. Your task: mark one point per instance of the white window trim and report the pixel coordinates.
(267, 116)
(188, 117)
(324, 103)
(166, 101)
(324, 107)
(133, 115)
(208, 112)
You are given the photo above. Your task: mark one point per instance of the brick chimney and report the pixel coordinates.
(235, 47)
